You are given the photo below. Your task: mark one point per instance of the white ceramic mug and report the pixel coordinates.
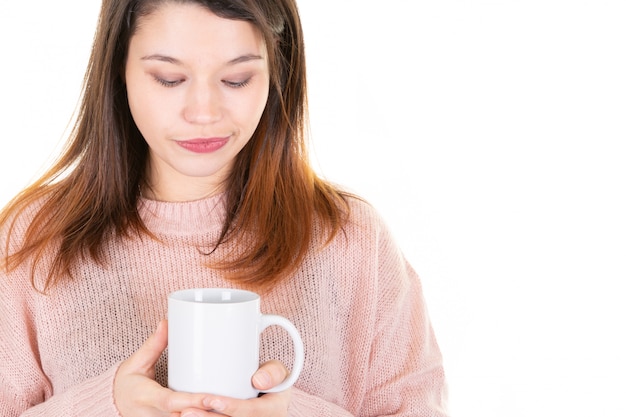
(213, 342)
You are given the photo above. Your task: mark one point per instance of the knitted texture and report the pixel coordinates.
(369, 346)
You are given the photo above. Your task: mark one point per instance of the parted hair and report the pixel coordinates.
(274, 200)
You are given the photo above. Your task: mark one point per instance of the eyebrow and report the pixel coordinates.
(175, 61)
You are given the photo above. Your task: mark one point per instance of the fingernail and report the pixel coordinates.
(261, 380)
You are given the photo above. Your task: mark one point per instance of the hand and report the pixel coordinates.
(137, 394)
(268, 376)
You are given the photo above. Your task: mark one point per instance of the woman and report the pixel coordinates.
(187, 168)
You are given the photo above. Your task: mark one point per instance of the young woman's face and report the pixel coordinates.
(197, 86)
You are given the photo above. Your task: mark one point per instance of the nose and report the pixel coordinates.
(203, 105)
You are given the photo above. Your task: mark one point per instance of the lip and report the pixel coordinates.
(203, 145)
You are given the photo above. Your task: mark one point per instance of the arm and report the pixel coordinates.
(406, 371)
(307, 405)
(25, 390)
(405, 375)
(395, 366)
(87, 399)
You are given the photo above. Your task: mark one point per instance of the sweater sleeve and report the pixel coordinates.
(406, 376)
(90, 398)
(406, 372)
(25, 390)
(307, 405)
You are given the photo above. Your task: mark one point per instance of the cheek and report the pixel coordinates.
(254, 109)
(149, 113)
(139, 106)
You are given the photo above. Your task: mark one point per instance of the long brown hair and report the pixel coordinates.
(91, 193)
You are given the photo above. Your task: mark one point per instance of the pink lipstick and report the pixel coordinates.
(203, 145)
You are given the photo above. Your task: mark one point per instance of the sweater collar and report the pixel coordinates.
(184, 218)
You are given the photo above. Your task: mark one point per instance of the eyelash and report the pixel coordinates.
(240, 84)
(167, 83)
(231, 84)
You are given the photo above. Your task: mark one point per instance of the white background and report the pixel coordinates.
(490, 135)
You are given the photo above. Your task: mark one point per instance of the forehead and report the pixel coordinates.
(192, 31)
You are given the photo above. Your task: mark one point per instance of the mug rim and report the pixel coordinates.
(225, 295)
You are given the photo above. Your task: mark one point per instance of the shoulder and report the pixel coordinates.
(363, 230)
(364, 216)
(368, 228)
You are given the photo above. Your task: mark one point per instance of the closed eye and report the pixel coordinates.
(236, 84)
(167, 83)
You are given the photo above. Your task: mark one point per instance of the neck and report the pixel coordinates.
(183, 194)
(170, 186)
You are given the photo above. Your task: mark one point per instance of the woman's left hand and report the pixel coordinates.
(269, 375)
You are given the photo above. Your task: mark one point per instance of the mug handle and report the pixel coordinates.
(298, 347)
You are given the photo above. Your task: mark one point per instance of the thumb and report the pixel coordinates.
(269, 375)
(146, 357)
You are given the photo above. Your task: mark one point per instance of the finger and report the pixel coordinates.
(269, 375)
(149, 353)
(176, 401)
(193, 412)
(269, 405)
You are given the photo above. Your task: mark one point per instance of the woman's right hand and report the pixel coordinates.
(135, 391)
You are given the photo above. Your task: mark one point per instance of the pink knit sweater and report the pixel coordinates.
(369, 346)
